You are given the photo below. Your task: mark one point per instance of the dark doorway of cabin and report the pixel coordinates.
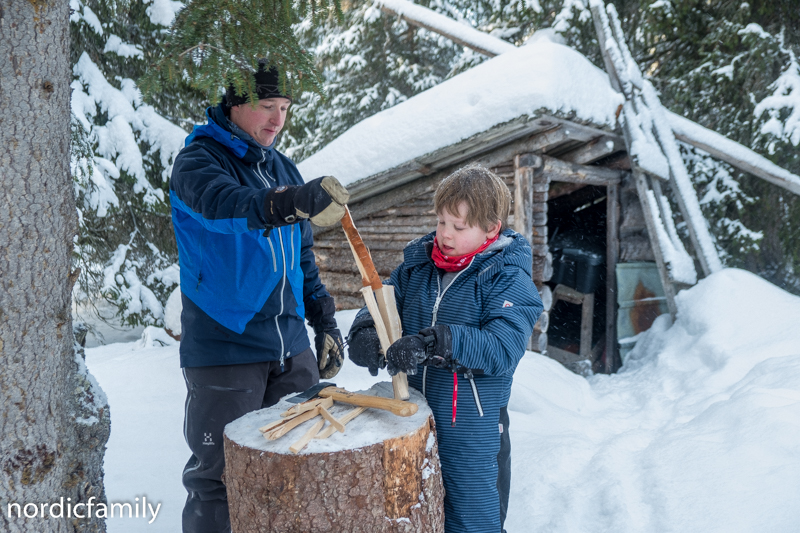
(577, 239)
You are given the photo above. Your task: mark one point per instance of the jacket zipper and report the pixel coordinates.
(258, 169)
(283, 287)
(292, 244)
(468, 374)
(439, 289)
(274, 258)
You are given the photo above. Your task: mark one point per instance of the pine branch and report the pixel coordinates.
(217, 43)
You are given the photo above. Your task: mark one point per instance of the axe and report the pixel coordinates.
(330, 390)
(380, 300)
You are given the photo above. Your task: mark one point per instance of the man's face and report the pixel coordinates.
(455, 237)
(264, 121)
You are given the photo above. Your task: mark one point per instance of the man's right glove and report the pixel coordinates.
(432, 346)
(321, 200)
(363, 343)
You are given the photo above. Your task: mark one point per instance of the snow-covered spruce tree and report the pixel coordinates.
(373, 61)
(54, 422)
(122, 153)
(732, 67)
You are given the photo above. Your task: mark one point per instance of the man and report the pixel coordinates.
(240, 210)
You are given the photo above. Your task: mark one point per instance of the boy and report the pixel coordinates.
(467, 290)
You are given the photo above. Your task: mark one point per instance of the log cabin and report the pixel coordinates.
(545, 120)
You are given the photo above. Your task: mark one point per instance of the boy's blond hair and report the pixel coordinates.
(486, 195)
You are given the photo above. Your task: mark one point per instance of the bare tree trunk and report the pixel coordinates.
(54, 422)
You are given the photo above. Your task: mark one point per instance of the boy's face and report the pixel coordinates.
(456, 237)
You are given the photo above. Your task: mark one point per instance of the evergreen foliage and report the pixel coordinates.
(731, 67)
(728, 65)
(122, 150)
(216, 43)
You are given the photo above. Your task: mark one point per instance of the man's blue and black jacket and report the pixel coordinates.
(243, 287)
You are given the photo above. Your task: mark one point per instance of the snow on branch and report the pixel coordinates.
(459, 33)
(785, 96)
(117, 139)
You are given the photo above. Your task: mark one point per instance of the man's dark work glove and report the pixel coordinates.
(432, 346)
(327, 338)
(363, 344)
(322, 201)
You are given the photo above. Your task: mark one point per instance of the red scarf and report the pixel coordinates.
(460, 262)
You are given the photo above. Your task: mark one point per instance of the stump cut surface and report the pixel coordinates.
(381, 475)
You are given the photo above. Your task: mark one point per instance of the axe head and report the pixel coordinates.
(309, 393)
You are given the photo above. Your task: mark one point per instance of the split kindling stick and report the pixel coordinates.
(290, 424)
(328, 431)
(307, 406)
(305, 439)
(329, 417)
(380, 299)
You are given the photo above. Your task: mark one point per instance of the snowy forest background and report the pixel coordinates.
(729, 65)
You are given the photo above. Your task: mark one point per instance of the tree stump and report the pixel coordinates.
(381, 475)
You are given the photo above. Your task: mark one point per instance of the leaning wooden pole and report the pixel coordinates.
(379, 298)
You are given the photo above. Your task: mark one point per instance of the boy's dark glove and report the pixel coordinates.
(363, 343)
(439, 339)
(321, 200)
(432, 346)
(327, 338)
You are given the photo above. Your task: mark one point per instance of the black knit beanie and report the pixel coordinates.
(267, 86)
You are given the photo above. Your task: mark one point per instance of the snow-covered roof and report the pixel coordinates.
(541, 78)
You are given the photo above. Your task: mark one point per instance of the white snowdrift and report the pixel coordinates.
(541, 77)
(698, 432)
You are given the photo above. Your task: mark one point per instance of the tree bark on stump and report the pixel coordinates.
(353, 482)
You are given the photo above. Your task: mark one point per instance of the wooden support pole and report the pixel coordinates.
(642, 188)
(612, 257)
(528, 181)
(587, 325)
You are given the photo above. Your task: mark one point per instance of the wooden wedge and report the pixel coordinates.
(329, 417)
(305, 439)
(328, 431)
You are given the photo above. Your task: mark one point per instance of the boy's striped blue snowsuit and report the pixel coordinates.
(491, 308)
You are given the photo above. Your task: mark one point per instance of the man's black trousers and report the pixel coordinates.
(216, 396)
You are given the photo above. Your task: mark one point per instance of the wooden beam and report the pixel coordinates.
(457, 32)
(723, 148)
(558, 170)
(642, 188)
(595, 150)
(525, 166)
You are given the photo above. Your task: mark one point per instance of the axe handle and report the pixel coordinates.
(398, 407)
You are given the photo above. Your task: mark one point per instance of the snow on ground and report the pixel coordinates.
(698, 432)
